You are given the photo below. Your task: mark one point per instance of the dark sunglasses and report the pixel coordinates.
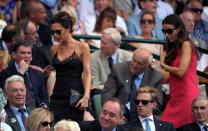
(169, 31)
(144, 102)
(143, 21)
(197, 10)
(45, 123)
(58, 32)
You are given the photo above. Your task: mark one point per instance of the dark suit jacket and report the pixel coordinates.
(11, 118)
(37, 79)
(95, 126)
(159, 125)
(190, 127)
(119, 82)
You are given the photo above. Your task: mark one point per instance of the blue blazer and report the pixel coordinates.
(134, 29)
(37, 80)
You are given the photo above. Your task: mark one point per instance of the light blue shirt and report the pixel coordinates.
(114, 129)
(114, 57)
(18, 115)
(4, 45)
(50, 3)
(201, 126)
(138, 80)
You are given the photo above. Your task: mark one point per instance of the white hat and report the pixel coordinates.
(2, 25)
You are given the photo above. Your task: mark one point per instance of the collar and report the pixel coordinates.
(114, 57)
(114, 129)
(4, 45)
(143, 118)
(16, 65)
(15, 109)
(201, 126)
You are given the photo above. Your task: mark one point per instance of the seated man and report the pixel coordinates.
(100, 60)
(109, 118)
(36, 94)
(125, 78)
(146, 100)
(200, 111)
(17, 111)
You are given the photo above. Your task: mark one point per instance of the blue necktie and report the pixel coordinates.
(147, 125)
(110, 61)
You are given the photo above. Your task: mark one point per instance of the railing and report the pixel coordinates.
(126, 46)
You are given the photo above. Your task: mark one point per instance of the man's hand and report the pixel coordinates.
(23, 67)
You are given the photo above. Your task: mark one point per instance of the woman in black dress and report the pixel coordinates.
(71, 61)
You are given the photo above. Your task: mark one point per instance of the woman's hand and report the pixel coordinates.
(83, 103)
(162, 59)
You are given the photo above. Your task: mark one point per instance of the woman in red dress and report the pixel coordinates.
(180, 61)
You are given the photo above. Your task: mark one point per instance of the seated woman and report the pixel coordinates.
(147, 23)
(66, 125)
(106, 19)
(39, 119)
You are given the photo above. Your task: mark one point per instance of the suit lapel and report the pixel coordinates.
(146, 78)
(157, 124)
(105, 63)
(11, 119)
(128, 81)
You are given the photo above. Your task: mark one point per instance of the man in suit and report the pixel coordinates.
(125, 78)
(100, 68)
(110, 117)
(146, 101)
(133, 25)
(34, 79)
(200, 111)
(16, 110)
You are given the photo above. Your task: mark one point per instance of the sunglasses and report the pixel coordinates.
(197, 10)
(45, 123)
(143, 21)
(144, 102)
(169, 31)
(58, 32)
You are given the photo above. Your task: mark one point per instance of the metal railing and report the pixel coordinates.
(124, 45)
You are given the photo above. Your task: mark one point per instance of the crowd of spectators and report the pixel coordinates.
(48, 78)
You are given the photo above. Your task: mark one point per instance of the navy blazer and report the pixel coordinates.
(159, 125)
(190, 127)
(37, 80)
(95, 126)
(11, 118)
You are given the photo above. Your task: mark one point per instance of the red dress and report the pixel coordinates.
(182, 92)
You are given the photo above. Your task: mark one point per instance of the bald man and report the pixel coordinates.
(125, 78)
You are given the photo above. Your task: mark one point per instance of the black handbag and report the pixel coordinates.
(74, 97)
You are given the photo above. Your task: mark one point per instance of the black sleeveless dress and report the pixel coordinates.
(68, 76)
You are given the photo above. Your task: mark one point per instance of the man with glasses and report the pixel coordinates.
(125, 78)
(17, 111)
(146, 101)
(133, 25)
(199, 108)
(201, 26)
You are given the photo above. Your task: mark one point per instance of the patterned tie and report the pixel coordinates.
(110, 61)
(197, 33)
(147, 125)
(205, 128)
(29, 96)
(132, 96)
(22, 115)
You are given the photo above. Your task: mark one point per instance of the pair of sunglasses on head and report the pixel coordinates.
(144, 102)
(46, 123)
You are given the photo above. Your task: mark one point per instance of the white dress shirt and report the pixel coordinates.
(151, 122)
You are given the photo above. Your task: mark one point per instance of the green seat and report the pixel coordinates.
(97, 105)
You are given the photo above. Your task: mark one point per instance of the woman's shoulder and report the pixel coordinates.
(54, 49)
(82, 45)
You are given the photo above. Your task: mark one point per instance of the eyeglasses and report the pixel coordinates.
(149, 21)
(58, 32)
(169, 31)
(197, 10)
(45, 123)
(144, 102)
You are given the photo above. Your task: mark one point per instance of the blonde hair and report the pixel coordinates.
(35, 118)
(4, 58)
(147, 89)
(67, 124)
(72, 12)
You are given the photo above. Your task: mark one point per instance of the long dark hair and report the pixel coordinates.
(173, 47)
